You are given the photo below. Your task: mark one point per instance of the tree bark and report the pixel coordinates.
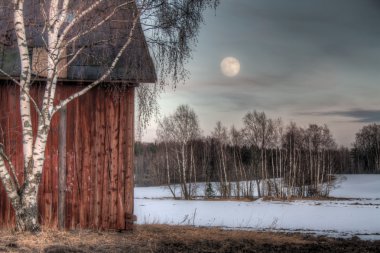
(27, 213)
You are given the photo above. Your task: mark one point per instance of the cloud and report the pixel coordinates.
(358, 115)
(245, 81)
(265, 79)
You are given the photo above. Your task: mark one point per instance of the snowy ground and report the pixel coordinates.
(359, 215)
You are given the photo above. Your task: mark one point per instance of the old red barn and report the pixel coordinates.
(91, 141)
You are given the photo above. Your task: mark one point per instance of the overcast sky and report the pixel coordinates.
(308, 61)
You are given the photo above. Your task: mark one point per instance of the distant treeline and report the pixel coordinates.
(264, 158)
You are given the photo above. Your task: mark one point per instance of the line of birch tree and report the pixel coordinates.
(263, 158)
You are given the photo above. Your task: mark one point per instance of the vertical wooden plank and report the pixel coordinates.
(70, 191)
(122, 166)
(83, 169)
(130, 154)
(54, 184)
(92, 163)
(75, 165)
(107, 178)
(62, 168)
(100, 156)
(70, 162)
(114, 143)
(86, 121)
(47, 207)
(54, 167)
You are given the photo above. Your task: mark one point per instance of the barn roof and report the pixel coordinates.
(100, 46)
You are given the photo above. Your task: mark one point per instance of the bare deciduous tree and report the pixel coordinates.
(221, 136)
(260, 132)
(367, 148)
(181, 129)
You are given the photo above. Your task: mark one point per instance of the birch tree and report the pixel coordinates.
(220, 135)
(367, 148)
(165, 136)
(260, 132)
(236, 140)
(181, 129)
(171, 27)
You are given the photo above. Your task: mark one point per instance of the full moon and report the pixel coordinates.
(230, 66)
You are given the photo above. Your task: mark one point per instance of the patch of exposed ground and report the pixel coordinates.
(163, 238)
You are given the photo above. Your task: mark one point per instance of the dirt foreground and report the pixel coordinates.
(162, 238)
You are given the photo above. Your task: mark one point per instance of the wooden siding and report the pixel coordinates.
(99, 158)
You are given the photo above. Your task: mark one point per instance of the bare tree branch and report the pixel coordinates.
(24, 90)
(76, 20)
(104, 20)
(104, 76)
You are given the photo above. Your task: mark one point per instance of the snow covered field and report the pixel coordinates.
(359, 215)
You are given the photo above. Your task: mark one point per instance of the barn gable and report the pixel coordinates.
(101, 46)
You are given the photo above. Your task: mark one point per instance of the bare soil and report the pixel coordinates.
(162, 238)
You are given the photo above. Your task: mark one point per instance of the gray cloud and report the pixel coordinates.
(243, 82)
(266, 80)
(358, 115)
(224, 101)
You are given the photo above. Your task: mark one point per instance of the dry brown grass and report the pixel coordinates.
(82, 240)
(163, 238)
(186, 233)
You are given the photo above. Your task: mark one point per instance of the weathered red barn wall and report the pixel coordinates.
(100, 138)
